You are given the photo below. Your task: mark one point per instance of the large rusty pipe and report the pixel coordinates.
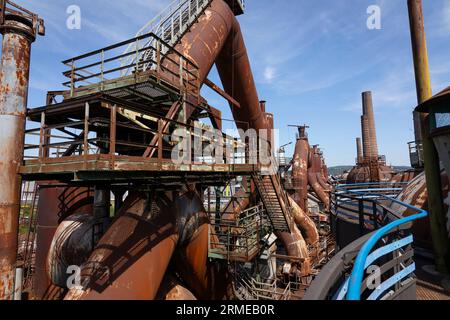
(300, 173)
(14, 77)
(368, 111)
(239, 203)
(172, 290)
(192, 263)
(217, 38)
(305, 223)
(296, 247)
(314, 177)
(132, 257)
(55, 204)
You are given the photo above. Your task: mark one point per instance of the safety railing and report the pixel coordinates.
(400, 261)
(99, 129)
(98, 67)
(169, 25)
(255, 288)
(93, 132)
(366, 204)
(377, 266)
(8, 7)
(238, 239)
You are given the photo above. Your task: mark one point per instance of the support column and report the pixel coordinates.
(18, 34)
(432, 165)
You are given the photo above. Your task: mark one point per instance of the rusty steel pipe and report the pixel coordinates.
(172, 290)
(314, 177)
(305, 223)
(300, 172)
(296, 247)
(191, 262)
(14, 76)
(55, 204)
(239, 203)
(217, 38)
(131, 259)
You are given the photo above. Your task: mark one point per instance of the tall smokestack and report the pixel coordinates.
(368, 111)
(367, 150)
(359, 151)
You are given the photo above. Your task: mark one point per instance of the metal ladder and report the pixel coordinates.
(29, 200)
(170, 26)
(275, 201)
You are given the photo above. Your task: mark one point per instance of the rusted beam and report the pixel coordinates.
(170, 115)
(222, 93)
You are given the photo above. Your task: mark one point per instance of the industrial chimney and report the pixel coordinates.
(369, 129)
(359, 151)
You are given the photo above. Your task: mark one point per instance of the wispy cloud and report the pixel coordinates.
(269, 74)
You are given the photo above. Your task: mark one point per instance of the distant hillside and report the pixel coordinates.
(338, 170)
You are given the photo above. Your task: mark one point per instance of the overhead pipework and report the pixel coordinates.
(19, 28)
(112, 132)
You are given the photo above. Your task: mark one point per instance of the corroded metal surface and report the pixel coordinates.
(172, 290)
(132, 257)
(14, 76)
(217, 38)
(72, 245)
(305, 223)
(314, 175)
(300, 171)
(54, 205)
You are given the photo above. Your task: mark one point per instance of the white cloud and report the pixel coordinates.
(269, 74)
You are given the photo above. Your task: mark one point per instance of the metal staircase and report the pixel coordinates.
(275, 201)
(169, 26)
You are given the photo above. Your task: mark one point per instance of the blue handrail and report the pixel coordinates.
(357, 276)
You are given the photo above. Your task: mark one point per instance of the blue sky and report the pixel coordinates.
(311, 60)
